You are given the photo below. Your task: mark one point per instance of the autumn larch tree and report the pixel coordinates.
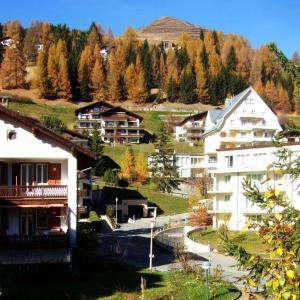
(13, 68)
(98, 79)
(202, 86)
(141, 167)
(127, 165)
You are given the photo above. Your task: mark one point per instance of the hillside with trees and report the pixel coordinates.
(205, 67)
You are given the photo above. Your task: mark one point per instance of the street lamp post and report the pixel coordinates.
(116, 210)
(151, 246)
(205, 267)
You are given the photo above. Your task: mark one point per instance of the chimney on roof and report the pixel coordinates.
(4, 100)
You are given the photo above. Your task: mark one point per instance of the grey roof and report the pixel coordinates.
(214, 113)
(218, 116)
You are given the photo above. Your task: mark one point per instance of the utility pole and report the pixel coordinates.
(151, 246)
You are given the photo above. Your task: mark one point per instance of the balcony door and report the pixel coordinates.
(27, 174)
(54, 174)
(27, 221)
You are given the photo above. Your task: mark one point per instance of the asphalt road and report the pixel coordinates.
(131, 243)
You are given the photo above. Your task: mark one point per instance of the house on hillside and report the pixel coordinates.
(238, 145)
(115, 124)
(39, 191)
(191, 128)
(246, 120)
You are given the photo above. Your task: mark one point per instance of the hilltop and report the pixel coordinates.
(168, 29)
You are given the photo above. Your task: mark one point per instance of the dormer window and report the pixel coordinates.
(11, 135)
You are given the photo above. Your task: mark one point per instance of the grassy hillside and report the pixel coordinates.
(37, 110)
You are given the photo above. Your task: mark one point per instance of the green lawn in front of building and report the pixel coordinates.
(249, 240)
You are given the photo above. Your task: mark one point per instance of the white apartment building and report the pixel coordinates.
(187, 165)
(229, 204)
(245, 120)
(238, 145)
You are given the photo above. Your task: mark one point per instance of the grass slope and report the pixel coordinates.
(251, 241)
(37, 110)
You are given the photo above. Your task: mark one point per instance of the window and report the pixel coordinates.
(41, 218)
(27, 175)
(227, 198)
(249, 101)
(256, 219)
(11, 135)
(227, 179)
(229, 161)
(42, 173)
(243, 161)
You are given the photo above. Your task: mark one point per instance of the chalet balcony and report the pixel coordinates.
(48, 194)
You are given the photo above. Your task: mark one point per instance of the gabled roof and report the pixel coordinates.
(219, 116)
(118, 109)
(37, 129)
(192, 117)
(103, 103)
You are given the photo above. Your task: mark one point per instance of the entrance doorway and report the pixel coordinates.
(27, 221)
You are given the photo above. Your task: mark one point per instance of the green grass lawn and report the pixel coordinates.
(114, 285)
(295, 119)
(167, 204)
(37, 110)
(251, 241)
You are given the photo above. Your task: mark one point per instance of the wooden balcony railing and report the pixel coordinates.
(34, 191)
(37, 241)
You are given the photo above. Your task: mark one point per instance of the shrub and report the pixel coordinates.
(111, 177)
(53, 123)
(110, 212)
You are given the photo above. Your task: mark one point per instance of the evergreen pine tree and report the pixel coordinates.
(84, 84)
(204, 58)
(96, 146)
(172, 89)
(187, 86)
(263, 74)
(163, 172)
(201, 35)
(231, 60)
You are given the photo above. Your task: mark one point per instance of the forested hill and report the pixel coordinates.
(204, 66)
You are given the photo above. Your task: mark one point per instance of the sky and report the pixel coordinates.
(260, 21)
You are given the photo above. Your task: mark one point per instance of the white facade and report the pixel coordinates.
(38, 179)
(191, 129)
(237, 145)
(115, 124)
(244, 121)
(187, 165)
(230, 205)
